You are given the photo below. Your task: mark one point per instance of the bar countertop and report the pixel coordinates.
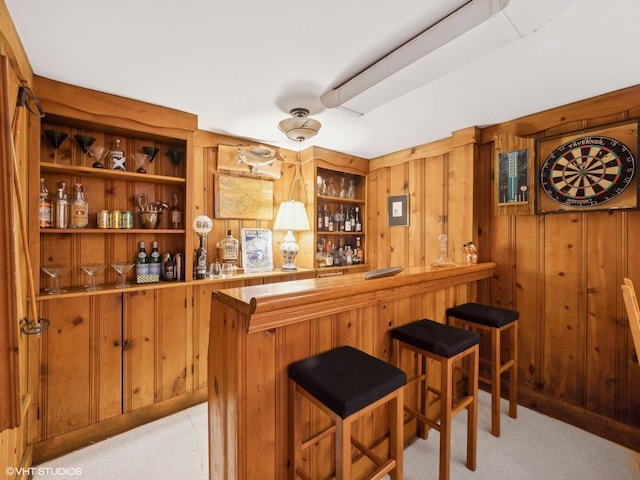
(274, 305)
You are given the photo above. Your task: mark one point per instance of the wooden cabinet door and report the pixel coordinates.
(80, 363)
(155, 345)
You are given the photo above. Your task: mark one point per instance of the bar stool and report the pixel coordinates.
(451, 347)
(346, 383)
(493, 321)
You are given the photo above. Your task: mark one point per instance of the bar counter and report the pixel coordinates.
(257, 331)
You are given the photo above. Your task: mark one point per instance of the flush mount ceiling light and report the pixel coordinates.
(299, 127)
(475, 29)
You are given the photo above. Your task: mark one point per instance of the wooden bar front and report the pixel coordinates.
(257, 331)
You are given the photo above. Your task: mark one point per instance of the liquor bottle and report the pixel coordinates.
(230, 247)
(200, 260)
(61, 209)
(79, 215)
(155, 260)
(348, 224)
(118, 160)
(45, 206)
(358, 254)
(142, 267)
(176, 213)
(326, 216)
(328, 255)
(320, 219)
(358, 222)
(169, 269)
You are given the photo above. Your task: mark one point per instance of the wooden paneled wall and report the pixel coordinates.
(562, 272)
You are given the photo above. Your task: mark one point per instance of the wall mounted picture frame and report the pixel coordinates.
(514, 175)
(243, 198)
(590, 170)
(398, 210)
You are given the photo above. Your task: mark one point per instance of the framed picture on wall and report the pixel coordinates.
(398, 210)
(513, 177)
(257, 250)
(590, 170)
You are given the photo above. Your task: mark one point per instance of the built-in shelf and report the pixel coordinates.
(55, 168)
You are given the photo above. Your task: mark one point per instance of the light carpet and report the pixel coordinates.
(531, 447)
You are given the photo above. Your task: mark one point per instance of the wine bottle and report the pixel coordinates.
(176, 213)
(155, 261)
(201, 261)
(142, 267)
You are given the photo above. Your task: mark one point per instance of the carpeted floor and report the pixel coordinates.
(531, 447)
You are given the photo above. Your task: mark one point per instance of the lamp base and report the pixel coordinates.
(289, 250)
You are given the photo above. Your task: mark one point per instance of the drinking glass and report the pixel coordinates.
(93, 271)
(122, 269)
(214, 270)
(56, 273)
(227, 270)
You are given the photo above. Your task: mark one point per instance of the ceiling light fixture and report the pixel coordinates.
(424, 57)
(299, 127)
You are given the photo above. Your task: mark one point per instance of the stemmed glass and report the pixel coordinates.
(56, 137)
(176, 158)
(151, 151)
(122, 269)
(93, 271)
(140, 159)
(85, 142)
(98, 154)
(56, 273)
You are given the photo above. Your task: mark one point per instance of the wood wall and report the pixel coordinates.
(562, 272)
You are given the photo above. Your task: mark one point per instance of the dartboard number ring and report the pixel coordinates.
(587, 171)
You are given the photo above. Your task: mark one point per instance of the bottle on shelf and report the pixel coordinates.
(45, 206)
(61, 209)
(79, 212)
(358, 253)
(320, 219)
(142, 267)
(328, 255)
(200, 261)
(326, 216)
(155, 260)
(229, 247)
(176, 213)
(357, 221)
(118, 160)
(169, 268)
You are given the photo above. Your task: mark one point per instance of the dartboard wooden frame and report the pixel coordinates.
(588, 170)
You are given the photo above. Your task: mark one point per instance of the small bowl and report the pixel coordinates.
(150, 219)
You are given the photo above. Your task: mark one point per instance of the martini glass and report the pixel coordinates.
(85, 142)
(151, 151)
(176, 158)
(93, 271)
(56, 137)
(98, 154)
(56, 273)
(122, 269)
(140, 159)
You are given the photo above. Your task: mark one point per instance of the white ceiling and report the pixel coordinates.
(242, 65)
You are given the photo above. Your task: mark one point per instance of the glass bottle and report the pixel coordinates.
(45, 206)
(79, 215)
(230, 247)
(320, 219)
(358, 253)
(61, 209)
(200, 260)
(352, 189)
(176, 213)
(118, 160)
(142, 267)
(357, 221)
(155, 261)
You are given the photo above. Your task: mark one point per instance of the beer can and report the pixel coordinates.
(126, 219)
(115, 219)
(103, 218)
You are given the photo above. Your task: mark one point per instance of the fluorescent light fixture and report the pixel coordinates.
(424, 57)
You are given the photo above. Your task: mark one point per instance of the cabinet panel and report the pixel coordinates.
(172, 342)
(108, 356)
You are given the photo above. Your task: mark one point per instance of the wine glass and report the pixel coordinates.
(122, 269)
(151, 151)
(98, 154)
(56, 273)
(176, 158)
(140, 159)
(85, 142)
(93, 271)
(56, 137)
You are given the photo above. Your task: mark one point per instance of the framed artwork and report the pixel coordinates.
(591, 170)
(398, 210)
(257, 250)
(513, 177)
(243, 198)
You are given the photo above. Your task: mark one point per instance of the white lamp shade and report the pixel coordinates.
(292, 216)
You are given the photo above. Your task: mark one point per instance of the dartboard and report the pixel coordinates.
(587, 171)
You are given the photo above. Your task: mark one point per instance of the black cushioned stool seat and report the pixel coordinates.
(345, 383)
(456, 351)
(493, 322)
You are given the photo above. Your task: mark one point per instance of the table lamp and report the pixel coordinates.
(292, 217)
